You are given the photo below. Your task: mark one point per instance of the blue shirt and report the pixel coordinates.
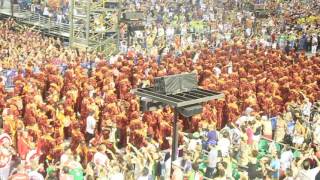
(273, 122)
(290, 128)
(275, 164)
(36, 70)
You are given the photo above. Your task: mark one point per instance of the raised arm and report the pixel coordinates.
(135, 150)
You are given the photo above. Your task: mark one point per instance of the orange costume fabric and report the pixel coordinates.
(23, 147)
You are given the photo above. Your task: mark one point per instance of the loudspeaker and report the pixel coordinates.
(190, 110)
(261, 14)
(149, 105)
(136, 28)
(175, 84)
(133, 16)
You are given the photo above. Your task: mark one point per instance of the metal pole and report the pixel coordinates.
(128, 38)
(88, 23)
(189, 119)
(118, 23)
(11, 7)
(71, 23)
(175, 137)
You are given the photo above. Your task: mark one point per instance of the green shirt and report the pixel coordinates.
(263, 145)
(278, 147)
(50, 169)
(282, 38)
(296, 154)
(154, 169)
(77, 174)
(235, 172)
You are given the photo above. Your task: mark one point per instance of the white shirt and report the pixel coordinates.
(59, 18)
(114, 59)
(6, 157)
(315, 41)
(139, 34)
(34, 175)
(116, 72)
(213, 158)
(196, 57)
(177, 174)
(228, 36)
(183, 30)
(288, 178)
(167, 165)
(112, 135)
(170, 31)
(143, 178)
(235, 135)
(229, 68)
(308, 174)
(242, 119)
(46, 11)
(197, 176)
(248, 31)
(224, 146)
(100, 158)
(161, 32)
(217, 71)
(91, 93)
(193, 144)
(117, 176)
(286, 159)
(64, 158)
(91, 123)
(316, 133)
(307, 109)
(206, 17)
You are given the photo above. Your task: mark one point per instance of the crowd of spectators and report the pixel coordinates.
(177, 24)
(71, 114)
(56, 10)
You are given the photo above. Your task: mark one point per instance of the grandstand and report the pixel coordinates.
(91, 25)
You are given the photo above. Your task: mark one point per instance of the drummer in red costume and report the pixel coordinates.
(24, 145)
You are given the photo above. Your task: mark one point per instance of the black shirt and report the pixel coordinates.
(253, 171)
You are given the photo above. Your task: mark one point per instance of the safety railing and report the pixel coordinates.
(109, 46)
(46, 24)
(53, 26)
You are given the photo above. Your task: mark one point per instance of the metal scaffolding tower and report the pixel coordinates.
(185, 100)
(94, 25)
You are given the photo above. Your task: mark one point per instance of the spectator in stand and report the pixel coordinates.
(212, 161)
(314, 42)
(307, 172)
